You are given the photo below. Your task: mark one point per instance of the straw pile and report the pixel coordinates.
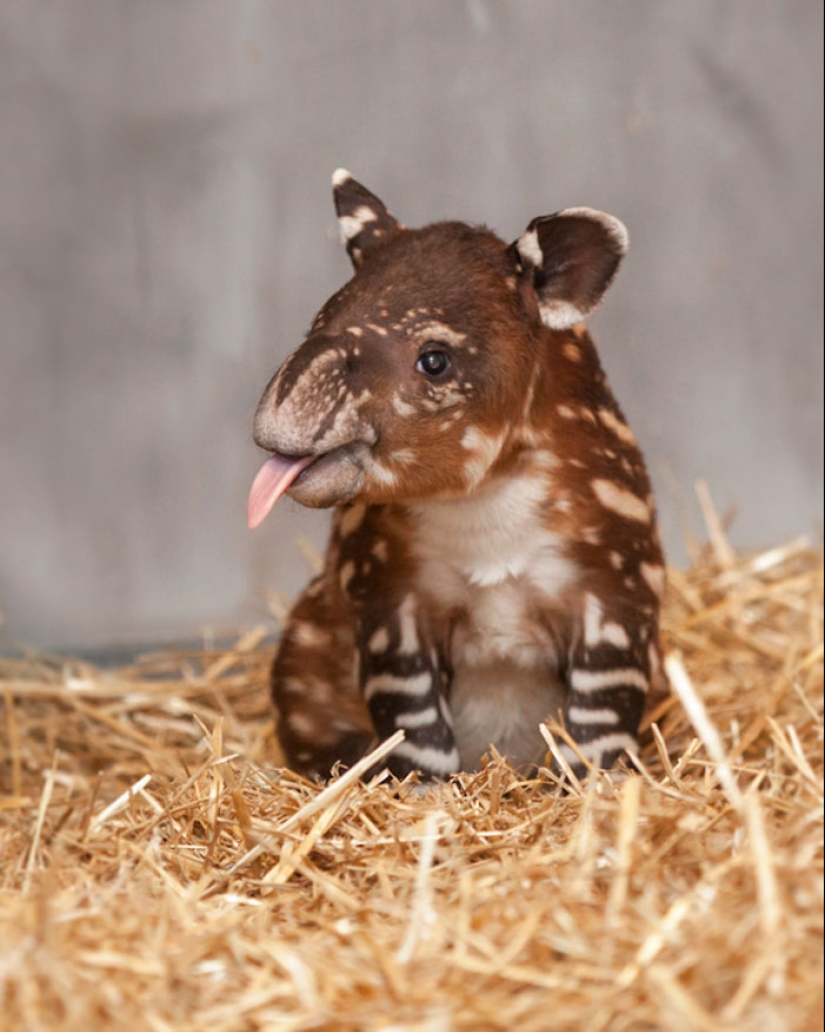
(159, 871)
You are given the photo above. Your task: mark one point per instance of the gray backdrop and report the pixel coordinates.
(166, 233)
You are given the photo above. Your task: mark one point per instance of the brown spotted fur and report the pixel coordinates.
(539, 395)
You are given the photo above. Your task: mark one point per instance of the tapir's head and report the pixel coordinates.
(416, 373)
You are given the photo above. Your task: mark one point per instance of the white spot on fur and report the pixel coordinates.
(409, 644)
(380, 550)
(380, 472)
(340, 176)
(415, 719)
(619, 500)
(614, 634)
(572, 352)
(529, 248)
(417, 686)
(404, 456)
(593, 619)
(529, 398)
(559, 315)
(597, 631)
(351, 519)
(346, 574)
(484, 449)
(580, 715)
(356, 331)
(377, 329)
(308, 635)
(620, 429)
(565, 412)
(654, 575)
(317, 689)
(545, 460)
(616, 560)
(448, 398)
(351, 225)
(596, 749)
(655, 660)
(302, 724)
(428, 758)
(403, 408)
(380, 641)
(443, 708)
(439, 332)
(596, 680)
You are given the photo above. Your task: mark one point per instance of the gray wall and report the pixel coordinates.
(166, 233)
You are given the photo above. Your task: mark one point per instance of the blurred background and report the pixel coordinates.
(167, 233)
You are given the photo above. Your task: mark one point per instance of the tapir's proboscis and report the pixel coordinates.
(494, 559)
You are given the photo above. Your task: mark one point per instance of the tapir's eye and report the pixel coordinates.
(433, 362)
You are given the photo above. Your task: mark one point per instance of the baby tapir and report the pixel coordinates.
(494, 556)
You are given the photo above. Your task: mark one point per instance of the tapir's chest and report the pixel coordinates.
(486, 570)
(490, 574)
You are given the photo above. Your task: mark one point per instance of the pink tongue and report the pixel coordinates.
(273, 478)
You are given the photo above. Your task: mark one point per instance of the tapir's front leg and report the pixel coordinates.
(609, 674)
(401, 669)
(402, 680)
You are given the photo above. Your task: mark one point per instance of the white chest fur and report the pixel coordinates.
(487, 559)
(496, 532)
(489, 555)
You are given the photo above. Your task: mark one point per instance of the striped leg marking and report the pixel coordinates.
(609, 678)
(602, 714)
(402, 686)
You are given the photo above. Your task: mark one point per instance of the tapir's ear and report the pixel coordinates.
(364, 221)
(570, 258)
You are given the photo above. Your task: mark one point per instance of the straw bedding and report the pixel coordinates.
(159, 870)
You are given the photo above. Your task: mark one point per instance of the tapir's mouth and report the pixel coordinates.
(336, 476)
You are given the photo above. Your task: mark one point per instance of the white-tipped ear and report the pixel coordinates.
(570, 258)
(364, 222)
